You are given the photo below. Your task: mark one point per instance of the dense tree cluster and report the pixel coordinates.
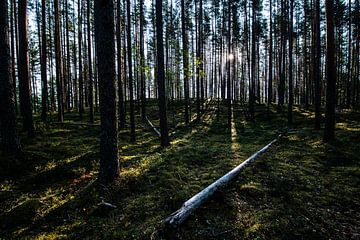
(111, 56)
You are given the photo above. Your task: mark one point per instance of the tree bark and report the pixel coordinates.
(119, 68)
(90, 91)
(105, 50)
(270, 60)
(142, 62)
(58, 59)
(81, 80)
(23, 68)
(10, 143)
(329, 132)
(185, 52)
(44, 92)
(161, 75)
(291, 94)
(316, 65)
(131, 89)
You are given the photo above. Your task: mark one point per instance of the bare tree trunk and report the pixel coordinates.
(13, 48)
(119, 68)
(58, 59)
(23, 68)
(185, 52)
(81, 80)
(105, 50)
(10, 143)
(270, 60)
(316, 65)
(129, 53)
(291, 94)
(44, 88)
(329, 132)
(142, 62)
(69, 96)
(229, 58)
(90, 91)
(161, 76)
(199, 63)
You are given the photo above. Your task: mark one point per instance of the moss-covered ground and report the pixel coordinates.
(301, 188)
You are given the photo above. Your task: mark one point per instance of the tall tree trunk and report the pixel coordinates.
(44, 92)
(81, 80)
(142, 62)
(90, 91)
(199, 63)
(105, 50)
(281, 87)
(58, 59)
(270, 60)
(68, 89)
(316, 65)
(229, 57)
(291, 95)
(120, 83)
(131, 90)
(253, 61)
(329, 132)
(161, 75)
(23, 68)
(348, 82)
(10, 143)
(185, 52)
(13, 47)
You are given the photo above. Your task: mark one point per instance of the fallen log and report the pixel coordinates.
(153, 127)
(179, 216)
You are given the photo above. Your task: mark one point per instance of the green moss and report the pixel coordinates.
(300, 188)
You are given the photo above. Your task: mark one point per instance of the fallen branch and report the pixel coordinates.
(153, 127)
(176, 218)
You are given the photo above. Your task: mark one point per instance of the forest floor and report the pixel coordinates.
(300, 189)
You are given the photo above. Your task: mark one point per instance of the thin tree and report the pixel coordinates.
(105, 50)
(199, 61)
(23, 68)
(142, 62)
(58, 60)
(14, 47)
(90, 90)
(253, 61)
(185, 52)
(119, 67)
(270, 60)
(329, 132)
(81, 80)
(9, 139)
(68, 90)
(230, 57)
(161, 75)
(131, 89)
(316, 65)
(291, 94)
(44, 89)
(348, 83)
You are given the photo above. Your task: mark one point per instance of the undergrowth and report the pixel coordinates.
(300, 189)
